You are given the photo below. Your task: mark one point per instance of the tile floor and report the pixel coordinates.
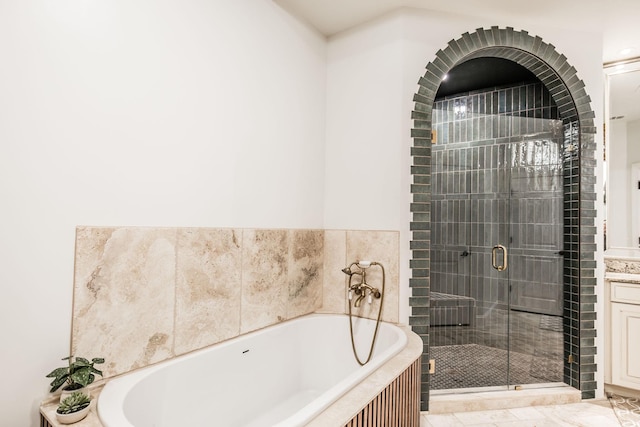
(592, 413)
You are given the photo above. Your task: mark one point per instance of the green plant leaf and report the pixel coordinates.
(79, 371)
(81, 376)
(81, 361)
(58, 372)
(59, 381)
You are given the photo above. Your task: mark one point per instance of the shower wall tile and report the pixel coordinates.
(265, 284)
(335, 281)
(124, 296)
(208, 285)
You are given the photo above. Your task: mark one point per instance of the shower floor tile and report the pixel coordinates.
(473, 365)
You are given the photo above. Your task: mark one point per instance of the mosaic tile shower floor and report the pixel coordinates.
(473, 365)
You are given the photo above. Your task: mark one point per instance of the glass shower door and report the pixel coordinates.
(536, 259)
(489, 264)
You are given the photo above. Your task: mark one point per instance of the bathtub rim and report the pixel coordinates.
(121, 384)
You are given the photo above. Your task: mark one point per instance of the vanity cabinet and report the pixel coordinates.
(625, 334)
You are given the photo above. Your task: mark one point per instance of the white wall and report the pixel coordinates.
(618, 220)
(373, 72)
(633, 158)
(174, 113)
(633, 147)
(624, 150)
(367, 181)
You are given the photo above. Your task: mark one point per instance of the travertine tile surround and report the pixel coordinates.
(143, 294)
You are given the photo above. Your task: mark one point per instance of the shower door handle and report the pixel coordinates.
(494, 257)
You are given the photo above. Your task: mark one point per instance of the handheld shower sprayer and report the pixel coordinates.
(363, 290)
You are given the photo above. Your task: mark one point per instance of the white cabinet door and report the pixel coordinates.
(625, 343)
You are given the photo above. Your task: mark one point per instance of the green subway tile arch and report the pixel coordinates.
(579, 161)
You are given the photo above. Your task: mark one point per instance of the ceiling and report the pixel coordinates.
(481, 73)
(617, 19)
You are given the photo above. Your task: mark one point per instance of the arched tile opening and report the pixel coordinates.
(568, 92)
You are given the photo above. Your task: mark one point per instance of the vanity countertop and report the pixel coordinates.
(621, 265)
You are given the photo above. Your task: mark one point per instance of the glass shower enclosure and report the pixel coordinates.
(497, 240)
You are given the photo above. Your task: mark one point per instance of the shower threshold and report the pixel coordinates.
(489, 398)
(511, 388)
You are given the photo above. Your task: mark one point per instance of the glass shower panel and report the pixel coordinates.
(536, 256)
(469, 299)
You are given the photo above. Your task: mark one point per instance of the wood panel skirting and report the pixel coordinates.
(398, 405)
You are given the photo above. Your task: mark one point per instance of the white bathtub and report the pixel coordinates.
(283, 375)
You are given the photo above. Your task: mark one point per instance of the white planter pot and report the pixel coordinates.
(73, 417)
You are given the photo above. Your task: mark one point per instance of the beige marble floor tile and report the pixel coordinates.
(527, 413)
(442, 420)
(544, 422)
(583, 414)
(485, 417)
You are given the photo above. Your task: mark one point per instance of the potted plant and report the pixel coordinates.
(75, 376)
(73, 408)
